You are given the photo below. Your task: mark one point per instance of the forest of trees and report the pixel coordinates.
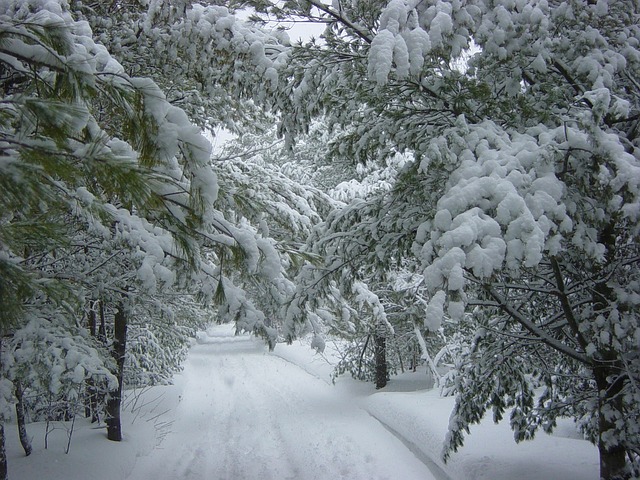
(454, 184)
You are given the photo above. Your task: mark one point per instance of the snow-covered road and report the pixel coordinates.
(238, 412)
(246, 414)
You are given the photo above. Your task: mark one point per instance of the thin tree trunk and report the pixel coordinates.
(92, 319)
(380, 353)
(366, 343)
(91, 406)
(20, 418)
(414, 359)
(91, 400)
(102, 330)
(612, 458)
(87, 399)
(3, 455)
(114, 427)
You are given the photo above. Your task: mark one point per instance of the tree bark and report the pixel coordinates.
(20, 419)
(612, 457)
(380, 353)
(92, 319)
(3, 452)
(91, 400)
(606, 372)
(102, 330)
(3, 455)
(114, 427)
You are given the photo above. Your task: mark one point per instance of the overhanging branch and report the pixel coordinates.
(533, 328)
(340, 18)
(566, 306)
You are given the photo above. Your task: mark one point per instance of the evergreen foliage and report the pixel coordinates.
(459, 176)
(113, 223)
(520, 207)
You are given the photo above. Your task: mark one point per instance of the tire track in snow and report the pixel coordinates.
(438, 472)
(252, 426)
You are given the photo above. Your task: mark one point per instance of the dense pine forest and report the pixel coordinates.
(445, 185)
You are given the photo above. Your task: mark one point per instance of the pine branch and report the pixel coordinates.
(538, 332)
(342, 19)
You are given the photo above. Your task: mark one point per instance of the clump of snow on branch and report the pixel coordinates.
(408, 32)
(53, 359)
(219, 30)
(366, 298)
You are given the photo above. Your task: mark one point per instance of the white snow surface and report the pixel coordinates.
(240, 412)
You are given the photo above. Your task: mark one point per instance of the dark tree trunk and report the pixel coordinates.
(380, 354)
(91, 405)
(20, 418)
(3, 453)
(92, 319)
(102, 330)
(607, 374)
(91, 400)
(114, 428)
(612, 458)
(3, 456)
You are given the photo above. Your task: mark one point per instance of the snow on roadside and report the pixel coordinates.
(146, 418)
(490, 452)
(420, 418)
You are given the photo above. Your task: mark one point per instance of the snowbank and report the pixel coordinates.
(420, 418)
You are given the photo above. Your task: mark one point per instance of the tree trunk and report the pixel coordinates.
(362, 352)
(91, 405)
(3, 455)
(20, 418)
(380, 353)
(91, 399)
(92, 319)
(606, 373)
(102, 330)
(114, 428)
(92, 332)
(612, 457)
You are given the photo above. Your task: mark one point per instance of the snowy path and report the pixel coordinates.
(246, 414)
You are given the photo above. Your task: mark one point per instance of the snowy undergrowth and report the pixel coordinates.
(147, 419)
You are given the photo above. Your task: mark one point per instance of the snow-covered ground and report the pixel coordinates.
(239, 412)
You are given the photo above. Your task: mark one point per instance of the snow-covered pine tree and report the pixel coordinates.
(170, 42)
(63, 170)
(525, 186)
(182, 46)
(100, 174)
(125, 184)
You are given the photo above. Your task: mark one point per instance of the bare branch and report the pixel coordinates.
(566, 306)
(533, 328)
(342, 19)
